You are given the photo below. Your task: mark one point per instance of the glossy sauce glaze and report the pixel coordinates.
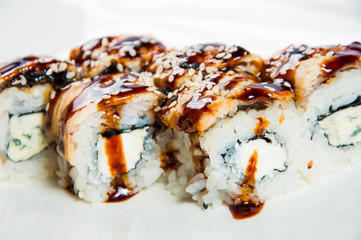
(263, 94)
(349, 55)
(193, 110)
(262, 125)
(105, 91)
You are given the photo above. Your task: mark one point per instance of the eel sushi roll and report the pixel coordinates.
(104, 128)
(327, 85)
(123, 54)
(26, 85)
(230, 136)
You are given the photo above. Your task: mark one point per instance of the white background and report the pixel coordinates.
(331, 209)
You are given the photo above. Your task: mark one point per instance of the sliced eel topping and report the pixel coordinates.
(31, 70)
(116, 54)
(204, 83)
(305, 68)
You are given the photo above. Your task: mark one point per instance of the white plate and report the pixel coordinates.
(330, 209)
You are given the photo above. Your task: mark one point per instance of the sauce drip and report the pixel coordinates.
(245, 210)
(262, 125)
(168, 161)
(123, 189)
(252, 166)
(115, 153)
(120, 194)
(310, 164)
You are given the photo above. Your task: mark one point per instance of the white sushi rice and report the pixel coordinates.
(342, 90)
(24, 100)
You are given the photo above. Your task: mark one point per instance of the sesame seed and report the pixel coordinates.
(174, 98)
(52, 94)
(144, 39)
(95, 54)
(120, 67)
(137, 43)
(45, 60)
(47, 107)
(209, 86)
(209, 48)
(49, 72)
(172, 104)
(287, 84)
(200, 76)
(167, 65)
(182, 87)
(283, 71)
(159, 69)
(181, 71)
(330, 54)
(232, 49)
(171, 78)
(302, 48)
(54, 67)
(202, 67)
(164, 108)
(153, 41)
(220, 55)
(228, 56)
(86, 53)
(23, 80)
(170, 94)
(132, 52)
(221, 49)
(70, 75)
(163, 75)
(105, 41)
(191, 72)
(309, 51)
(270, 95)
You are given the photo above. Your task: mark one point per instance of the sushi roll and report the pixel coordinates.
(230, 136)
(26, 85)
(116, 54)
(104, 129)
(327, 85)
